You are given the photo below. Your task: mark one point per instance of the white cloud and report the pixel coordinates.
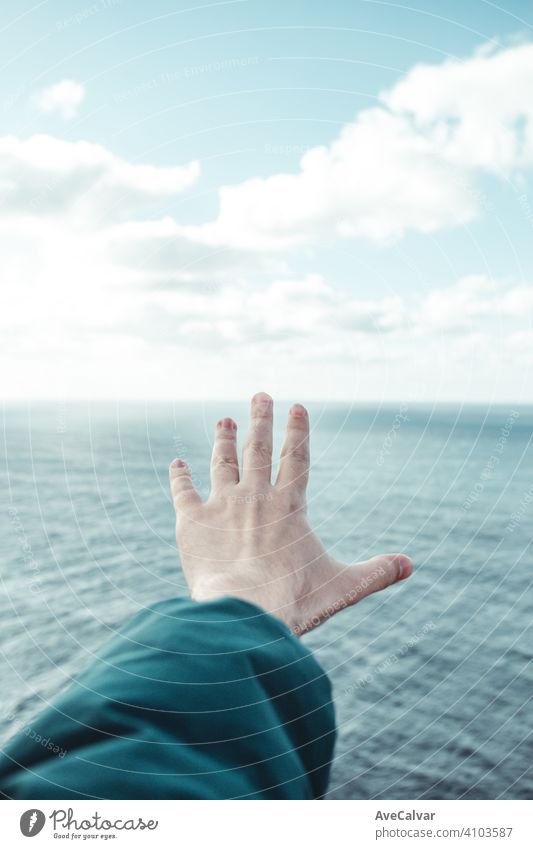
(311, 308)
(478, 112)
(43, 176)
(474, 298)
(63, 98)
(166, 253)
(77, 324)
(409, 164)
(61, 293)
(378, 179)
(97, 299)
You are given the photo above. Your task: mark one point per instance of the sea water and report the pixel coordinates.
(432, 679)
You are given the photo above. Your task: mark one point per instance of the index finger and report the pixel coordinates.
(294, 462)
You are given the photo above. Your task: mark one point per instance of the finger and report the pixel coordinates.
(184, 494)
(224, 461)
(376, 574)
(257, 454)
(294, 462)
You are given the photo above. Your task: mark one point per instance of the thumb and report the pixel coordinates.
(352, 583)
(376, 574)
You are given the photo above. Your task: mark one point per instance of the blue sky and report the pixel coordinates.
(320, 200)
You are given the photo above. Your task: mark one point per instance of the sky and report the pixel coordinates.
(325, 201)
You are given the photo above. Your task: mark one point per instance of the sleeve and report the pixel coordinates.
(214, 700)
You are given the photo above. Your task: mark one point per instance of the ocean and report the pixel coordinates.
(432, 679)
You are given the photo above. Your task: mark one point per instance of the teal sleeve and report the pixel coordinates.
(215, 700)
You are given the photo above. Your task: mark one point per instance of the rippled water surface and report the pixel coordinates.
(433, 679)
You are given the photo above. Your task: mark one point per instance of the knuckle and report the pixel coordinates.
(226, 436)
(224, 461)
(296, 502)
(298, 424)
(292, 495)
(300, 454)
(259, 448)
(182, 488)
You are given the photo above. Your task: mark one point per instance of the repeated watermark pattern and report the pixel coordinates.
(34, 584)
(391, 435)
(492, 462)
(349, 598)
(188, 72)
(250, 498)
(287, 149)
(518, 515)
(87, 12)
(30, 732)
(525, 203)
(391, 659)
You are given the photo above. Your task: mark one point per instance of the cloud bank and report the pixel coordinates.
(408, 164)
(93, 270)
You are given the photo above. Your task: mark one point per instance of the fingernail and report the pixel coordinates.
(263, 401)
(298, 411)
(406, 568)
(178, 464)
(229, 423)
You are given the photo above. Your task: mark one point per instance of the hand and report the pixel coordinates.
(252, 539)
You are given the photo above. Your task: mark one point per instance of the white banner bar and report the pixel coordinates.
(357, 824)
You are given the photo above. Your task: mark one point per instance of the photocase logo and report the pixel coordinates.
(32, 822)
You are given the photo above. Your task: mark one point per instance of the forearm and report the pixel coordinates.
(211, 700)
